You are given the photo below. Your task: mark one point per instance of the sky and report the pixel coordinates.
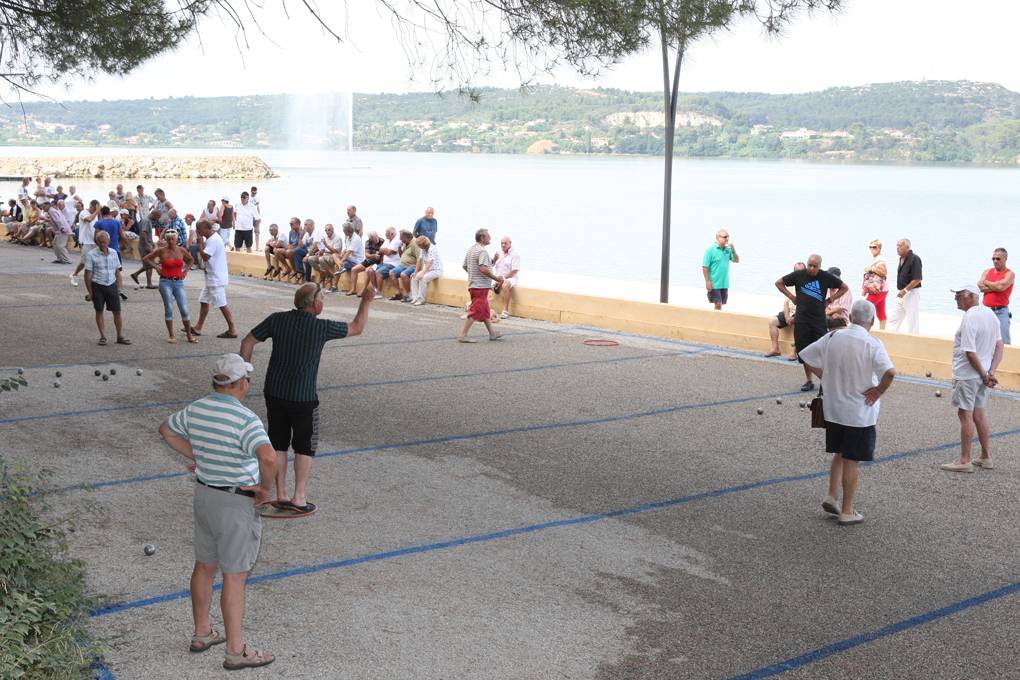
(872, 41)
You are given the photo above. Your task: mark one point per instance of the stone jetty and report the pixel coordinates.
(156, 167)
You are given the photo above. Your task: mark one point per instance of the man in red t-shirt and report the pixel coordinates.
(997, 284)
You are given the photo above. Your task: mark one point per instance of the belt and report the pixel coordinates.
(995, 309)
(229, 489)
(172, 278)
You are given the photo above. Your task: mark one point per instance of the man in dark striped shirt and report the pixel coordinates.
(290, 390)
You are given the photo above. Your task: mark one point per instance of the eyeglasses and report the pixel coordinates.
(996, 259)
(873, 247)
(724, 238)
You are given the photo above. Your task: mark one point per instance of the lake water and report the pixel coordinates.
(595, 222)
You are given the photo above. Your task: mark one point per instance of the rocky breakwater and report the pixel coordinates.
(156, 167)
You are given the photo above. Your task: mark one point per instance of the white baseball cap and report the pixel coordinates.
(233, 367)
(969, 287)
(227, 199)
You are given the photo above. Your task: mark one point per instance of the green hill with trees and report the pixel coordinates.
(919, 121)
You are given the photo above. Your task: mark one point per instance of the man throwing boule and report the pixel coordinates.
(292, 403)
(234, 466)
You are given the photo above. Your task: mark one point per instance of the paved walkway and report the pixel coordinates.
(531, 508)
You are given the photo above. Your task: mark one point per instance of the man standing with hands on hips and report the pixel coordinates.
(908, 281)
(977, 351)
(234, 465)
(716, 268)
(997, 285)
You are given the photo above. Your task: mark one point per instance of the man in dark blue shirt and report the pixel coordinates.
(812, 286)
(290, 390)
(427, 226)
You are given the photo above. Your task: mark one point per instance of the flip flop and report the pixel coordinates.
(772, 354)
(134, 277)
(234, 662)
(192, 340)
(152, 287)
(397, 297)
(298, 509)
(172, 340)
(193, 332)
(225, 334)
(206, 641)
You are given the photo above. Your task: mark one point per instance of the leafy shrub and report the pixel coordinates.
(43, 606)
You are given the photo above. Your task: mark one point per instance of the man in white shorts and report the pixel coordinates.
(213, 251)
(977, 351)
(507, 264)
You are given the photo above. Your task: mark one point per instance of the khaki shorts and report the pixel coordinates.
(213, 295)
(228, 529)
(85, 250)
(969, 394)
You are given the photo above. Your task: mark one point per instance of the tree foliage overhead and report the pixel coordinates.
(56, 40)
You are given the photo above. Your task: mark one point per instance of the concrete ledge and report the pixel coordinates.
(916, 354)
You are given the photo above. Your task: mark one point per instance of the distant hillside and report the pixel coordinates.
(920, 121)
(897, 105)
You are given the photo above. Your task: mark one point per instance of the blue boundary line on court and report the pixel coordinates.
(356, 385)
(429, 547)
(327, 348)
(135, 302)
(850, 643)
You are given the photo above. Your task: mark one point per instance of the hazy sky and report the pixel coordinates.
(872, 41)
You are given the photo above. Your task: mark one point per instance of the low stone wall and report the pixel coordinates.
(156, 167)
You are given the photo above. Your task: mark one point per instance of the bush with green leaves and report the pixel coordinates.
(10, 384)
(43, 601)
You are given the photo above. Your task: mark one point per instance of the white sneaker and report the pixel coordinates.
(74, 279)
(418, 302)
(855, 518)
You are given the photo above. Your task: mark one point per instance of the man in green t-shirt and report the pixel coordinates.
(716, 267)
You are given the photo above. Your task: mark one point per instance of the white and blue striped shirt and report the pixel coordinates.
(224, 437)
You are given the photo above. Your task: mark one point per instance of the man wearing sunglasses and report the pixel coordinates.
(997, 285)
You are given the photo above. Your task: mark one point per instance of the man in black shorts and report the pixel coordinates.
(103, 282)
(812, 285)
(290, 390)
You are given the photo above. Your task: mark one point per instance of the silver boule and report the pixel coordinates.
(938, 393)
(21, 371)
(98, 373)
(803, 404)
(113, 371)
(138, 372)
(59, 374)
(106, 377)
(928, 374)
(150, 550)
(779, 400)
(56, 383)
(760, 410)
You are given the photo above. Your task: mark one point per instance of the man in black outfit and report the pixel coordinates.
(812, 285)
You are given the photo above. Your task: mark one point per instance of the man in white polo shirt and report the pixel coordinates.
(977, 351)
(856, 371)
(235, 466)
(246, 224)
(214, 252)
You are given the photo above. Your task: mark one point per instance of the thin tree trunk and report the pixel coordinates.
(670, 95)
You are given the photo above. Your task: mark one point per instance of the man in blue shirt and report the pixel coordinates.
(427, 226)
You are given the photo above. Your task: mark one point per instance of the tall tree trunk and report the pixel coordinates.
(670, 91)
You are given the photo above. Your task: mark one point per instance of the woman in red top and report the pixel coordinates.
(168, 259)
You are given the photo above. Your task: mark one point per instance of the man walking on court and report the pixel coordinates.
(478, 265)
(856, 371)
(233, 463)
(977, 351)
(292, 403)
(811, 285)
(997, 285)
(217, 276)
(716, 268)
(908, 281)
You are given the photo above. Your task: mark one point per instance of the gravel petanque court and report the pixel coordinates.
(528, 508)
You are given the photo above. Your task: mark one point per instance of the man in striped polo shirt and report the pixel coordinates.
(234, 465)
(290, 390)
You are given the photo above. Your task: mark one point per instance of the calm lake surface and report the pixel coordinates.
(602, 216)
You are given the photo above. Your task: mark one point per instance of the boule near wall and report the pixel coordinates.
(139, 167)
